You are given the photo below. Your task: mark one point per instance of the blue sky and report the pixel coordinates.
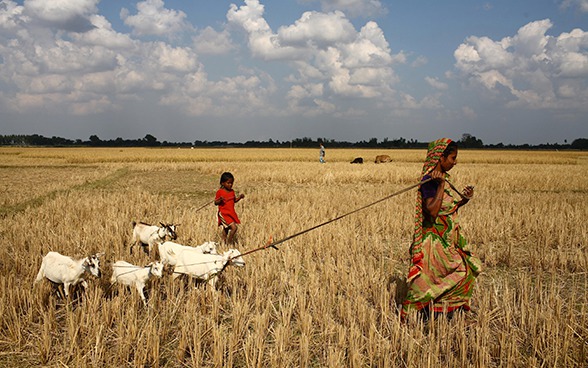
(504, 71)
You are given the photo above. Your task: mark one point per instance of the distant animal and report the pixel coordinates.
(357, 160)
(150, 235)
(206, 267)
(169, 251)
(128, 274)
(65, 270)
(382, 159)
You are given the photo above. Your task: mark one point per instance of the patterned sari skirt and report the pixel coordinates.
(446, 281)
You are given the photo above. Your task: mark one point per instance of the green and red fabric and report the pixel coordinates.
(443, 270)
(434, 153)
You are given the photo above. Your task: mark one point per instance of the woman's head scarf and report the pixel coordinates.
(434, 153)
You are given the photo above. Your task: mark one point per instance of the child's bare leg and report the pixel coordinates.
(224, 231)
(232, 232)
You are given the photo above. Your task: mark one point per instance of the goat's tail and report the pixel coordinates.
(134, 223)
(40, 274)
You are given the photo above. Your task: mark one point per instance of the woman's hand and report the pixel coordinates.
(468, 192)
(437, 175)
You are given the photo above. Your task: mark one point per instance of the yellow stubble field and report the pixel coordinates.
(327, 298)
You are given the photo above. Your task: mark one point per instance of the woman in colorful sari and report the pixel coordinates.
(443, 270)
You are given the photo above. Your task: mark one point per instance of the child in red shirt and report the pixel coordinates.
(225, 199)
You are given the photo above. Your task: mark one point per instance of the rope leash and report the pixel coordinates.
(137, 268)
(211, 274)
(204, 205)
(134, 269)
(150, 235)
(196, 263)
(274, 244)
(457, 191)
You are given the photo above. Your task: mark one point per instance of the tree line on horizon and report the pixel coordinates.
(466, 141)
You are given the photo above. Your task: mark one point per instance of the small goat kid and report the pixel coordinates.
(65, 270)
(128, 274)
(151, 235)
(206, 267)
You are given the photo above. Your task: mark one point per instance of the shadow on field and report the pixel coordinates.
(53, 294)
(398, 283)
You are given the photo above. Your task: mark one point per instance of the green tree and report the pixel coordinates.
(580, 143)
(469, 141)
(150, 140)
(94, 140)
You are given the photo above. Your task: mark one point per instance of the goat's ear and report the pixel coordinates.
(99, 255)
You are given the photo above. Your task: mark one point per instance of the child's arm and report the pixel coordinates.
(240, 197)
(218, 200)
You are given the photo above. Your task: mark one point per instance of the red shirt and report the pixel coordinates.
(226, 210)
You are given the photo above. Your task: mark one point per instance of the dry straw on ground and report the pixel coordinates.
(327, 298)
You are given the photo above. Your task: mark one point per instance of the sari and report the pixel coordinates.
(443, 269)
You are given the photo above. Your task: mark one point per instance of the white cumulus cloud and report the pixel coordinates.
(11, 15)
(317, 29)
(63, 14)
(531, 68)
(353, 8)
(210, 41)
(326, 49)
(56, 68)
(436, 83)
(153, 18)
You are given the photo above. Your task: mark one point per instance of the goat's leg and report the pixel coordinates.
(212, 281)
(135, 243)
(66, 289)
(141, 290)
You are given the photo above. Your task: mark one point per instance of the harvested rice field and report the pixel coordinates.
(327, 298)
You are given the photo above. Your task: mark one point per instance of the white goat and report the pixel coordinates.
(150, 235)
(68, 271)
(129, 274)
(206, 267)
(169, 251)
